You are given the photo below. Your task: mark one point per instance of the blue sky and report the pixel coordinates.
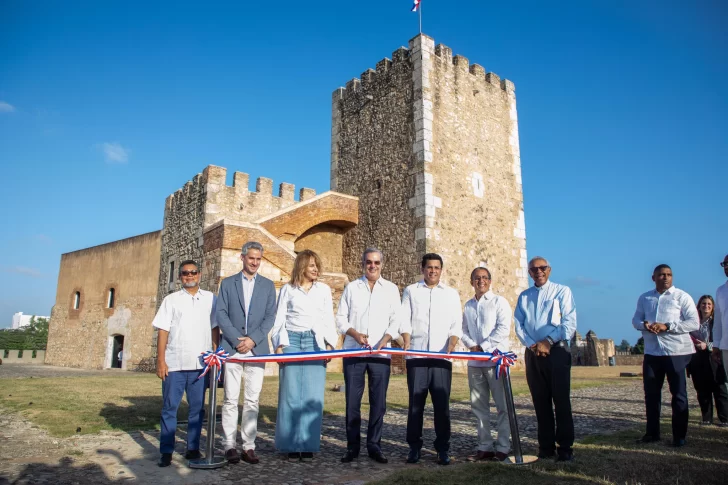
(108, 107)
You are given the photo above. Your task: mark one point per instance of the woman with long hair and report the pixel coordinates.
(304, 323)
(709, 378)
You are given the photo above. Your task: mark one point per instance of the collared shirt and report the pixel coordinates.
(247, 289)
(545, 311)
(431, 316)
(371, 312)
(487, 322)
(720, 318)
(673, 307)
(189, 320)
(299, 311)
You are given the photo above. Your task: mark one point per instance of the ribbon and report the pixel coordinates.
(216, 358)
(503, 360)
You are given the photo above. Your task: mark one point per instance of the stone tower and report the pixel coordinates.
(429, 144)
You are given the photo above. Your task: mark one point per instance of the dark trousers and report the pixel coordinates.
(654, 370)
(377, 370)
(174, 386)
(549, 380)
(433, 376)
(709, 380)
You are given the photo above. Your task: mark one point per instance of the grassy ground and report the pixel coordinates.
(131, 401)
(610, 459)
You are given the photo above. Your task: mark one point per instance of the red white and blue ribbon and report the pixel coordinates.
(216, 358)
(416, 5)
(503, 360)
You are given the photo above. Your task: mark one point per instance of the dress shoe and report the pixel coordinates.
(232, 456)
(378, 456)
(443, 458)
(482, 455)
(648, 438)
(544, 454)
(165, 460)
(679, 443)
(193, 455)
(349, 456)
(249, 456)
(294, 456)
(307, 456)
(500, 456)
(565, 456)
(413, 456)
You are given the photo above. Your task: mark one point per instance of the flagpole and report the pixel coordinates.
(420, 12)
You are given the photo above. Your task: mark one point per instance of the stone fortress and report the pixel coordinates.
(424, 158)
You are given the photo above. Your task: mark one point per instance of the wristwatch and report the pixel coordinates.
(668, 325)
(550, 340)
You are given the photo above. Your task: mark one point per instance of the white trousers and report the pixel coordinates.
(483, 383)
(252, 377)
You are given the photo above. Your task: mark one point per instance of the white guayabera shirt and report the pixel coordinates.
(675, 308)
(487, 322)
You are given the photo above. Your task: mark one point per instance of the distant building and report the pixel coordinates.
(21, 321)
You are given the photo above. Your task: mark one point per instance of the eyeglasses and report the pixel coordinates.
(376, 263)
(189, 273)
(536, 269)
(480, 278)
(724, 264)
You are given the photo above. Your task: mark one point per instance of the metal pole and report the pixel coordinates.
(513, 420)
(210, 461)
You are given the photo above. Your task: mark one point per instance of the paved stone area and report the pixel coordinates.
(28, 455)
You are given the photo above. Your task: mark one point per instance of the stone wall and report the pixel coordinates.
(22, 356)
(629, 359)
(83, 337)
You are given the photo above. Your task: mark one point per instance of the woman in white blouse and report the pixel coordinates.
(304, 323)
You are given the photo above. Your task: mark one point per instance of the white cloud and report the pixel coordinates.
(114, 152)
(6, 107)
(32, 272)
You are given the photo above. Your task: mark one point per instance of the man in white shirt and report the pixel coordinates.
(367, 315)
(666, 316)
(545, 319)
(431, 320)
(487, 327)
(720, 320)
(186, 328)
(245, 313)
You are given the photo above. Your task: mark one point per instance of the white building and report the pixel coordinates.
(20, 320)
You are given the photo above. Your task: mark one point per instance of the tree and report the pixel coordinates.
(624, 346)
(639, 347)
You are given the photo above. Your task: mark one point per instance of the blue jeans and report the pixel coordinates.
(174, 386)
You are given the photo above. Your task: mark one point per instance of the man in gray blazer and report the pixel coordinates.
(246, 311)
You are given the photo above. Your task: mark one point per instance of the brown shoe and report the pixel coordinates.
(482, 455)
(231, 456)
(500, 456)
(249, 456)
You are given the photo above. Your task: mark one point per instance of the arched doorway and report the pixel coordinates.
(117, 352)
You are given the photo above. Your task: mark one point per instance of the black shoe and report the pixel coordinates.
(443, 458)
(413, 456)
(648, 438)
(306, 456)
(232, 456)
(349, 456)
(378, 456)
(193, 455)
(165, 460)
(544, 454)
(565, 456)
(679, 443)
(294, 456)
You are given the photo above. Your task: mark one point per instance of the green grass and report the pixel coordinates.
(132, 401)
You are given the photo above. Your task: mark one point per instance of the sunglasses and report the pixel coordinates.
(536, 269)
(724, 264)
(189, 273)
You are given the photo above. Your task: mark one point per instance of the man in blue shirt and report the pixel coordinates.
(666, 316)
(545, 322)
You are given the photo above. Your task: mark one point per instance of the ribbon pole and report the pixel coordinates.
(519, 459)
(210, 461)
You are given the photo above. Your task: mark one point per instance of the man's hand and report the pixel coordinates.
(716, 356)
(246, 345)
(359, 337)
(162, 369)
(406, 341)
(452, 343)
(542, 348)
(476, 348)
(657, 328)
(384, 341)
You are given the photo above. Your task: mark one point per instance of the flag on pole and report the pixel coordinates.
(416, 5)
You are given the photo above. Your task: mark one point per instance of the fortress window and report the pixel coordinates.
(171, 272)
(110, 300)
(77, 300)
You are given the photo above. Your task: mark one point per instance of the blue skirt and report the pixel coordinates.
(300, 398)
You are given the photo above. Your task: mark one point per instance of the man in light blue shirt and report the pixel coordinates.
(545, 322)
(666, 316)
